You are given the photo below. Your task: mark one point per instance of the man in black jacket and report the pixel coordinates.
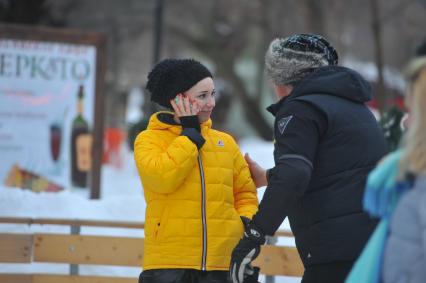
(326, 142)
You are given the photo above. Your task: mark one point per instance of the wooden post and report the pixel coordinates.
(75, 230)
(270, 241)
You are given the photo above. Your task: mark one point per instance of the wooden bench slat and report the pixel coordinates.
(107, 250)
(279, 260)
(124, 251)
(55, 278)
(48, 278)
(15, 248)
(284, 233)
(15, 278)
(85, 249)
(94, 223)
(72, 222)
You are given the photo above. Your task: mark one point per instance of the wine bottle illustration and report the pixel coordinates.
(81, 145)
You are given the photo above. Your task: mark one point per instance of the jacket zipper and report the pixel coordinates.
(203, 213)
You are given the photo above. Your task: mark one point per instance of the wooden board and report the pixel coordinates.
(15, 278)
(72, 222)
(85, 249)
(80, 279)
(52, 278)
(107, 250)
(279, 260)
(15, 248)
(94, 223)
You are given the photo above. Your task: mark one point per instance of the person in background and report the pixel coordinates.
(420, 52)
(196, 183)
(393, 123)
(326, 143)
(405, 251)
(396, 121)
(395, 193)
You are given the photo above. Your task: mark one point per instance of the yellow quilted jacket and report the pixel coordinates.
(194, 199)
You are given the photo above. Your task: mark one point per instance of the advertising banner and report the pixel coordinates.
(48, 100)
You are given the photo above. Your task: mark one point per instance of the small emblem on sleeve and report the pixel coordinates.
(283, 122)
(220, 143)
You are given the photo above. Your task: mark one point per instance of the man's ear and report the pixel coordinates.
(282, 90)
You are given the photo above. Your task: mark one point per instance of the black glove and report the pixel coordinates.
(191, 129)
(245, 252)
(251, 274)
(190, 122)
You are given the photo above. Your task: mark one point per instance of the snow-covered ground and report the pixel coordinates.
(121, 200)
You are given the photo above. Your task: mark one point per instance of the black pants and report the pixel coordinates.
(334, 272)
(183, 276)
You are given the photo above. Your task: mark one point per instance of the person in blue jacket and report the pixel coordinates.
(404, 257)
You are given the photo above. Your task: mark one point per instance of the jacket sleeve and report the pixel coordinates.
(245, 194)
(404, 258)
(287, 183)
(298, 128)
(163, 171)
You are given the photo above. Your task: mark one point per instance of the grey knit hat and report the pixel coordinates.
(171, 76)
(290, 59)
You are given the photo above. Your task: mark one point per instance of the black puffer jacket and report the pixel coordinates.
(326, 143)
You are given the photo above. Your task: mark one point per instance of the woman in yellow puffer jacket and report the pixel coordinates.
(196, 182)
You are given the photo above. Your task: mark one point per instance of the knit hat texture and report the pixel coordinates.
(170, 77)
(290, 59)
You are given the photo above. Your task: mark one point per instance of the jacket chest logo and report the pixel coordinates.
(220, 143)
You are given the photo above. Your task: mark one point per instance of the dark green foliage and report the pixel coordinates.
(390, 123)
(134, 130)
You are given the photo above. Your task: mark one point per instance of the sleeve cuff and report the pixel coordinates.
(194, 136)
(190, 122)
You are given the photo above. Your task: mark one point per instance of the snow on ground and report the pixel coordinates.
(121, 200)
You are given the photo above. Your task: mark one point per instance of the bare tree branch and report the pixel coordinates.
(222, 39)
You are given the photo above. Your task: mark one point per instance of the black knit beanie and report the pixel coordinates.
(170, 77)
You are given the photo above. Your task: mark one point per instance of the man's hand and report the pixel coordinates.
(245, 252)
(257, 172)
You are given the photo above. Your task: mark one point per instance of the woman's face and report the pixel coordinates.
(203, 94)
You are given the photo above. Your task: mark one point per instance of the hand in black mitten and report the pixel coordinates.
(245, 252)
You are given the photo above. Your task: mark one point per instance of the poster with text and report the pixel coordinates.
(47, 114)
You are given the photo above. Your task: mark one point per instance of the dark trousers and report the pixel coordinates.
(334, 272)
(183, 276)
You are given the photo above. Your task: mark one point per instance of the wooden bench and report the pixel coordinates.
(76, 249)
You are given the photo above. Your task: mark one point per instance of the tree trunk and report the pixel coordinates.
(378, 54)
(252, 110)
(313, 15)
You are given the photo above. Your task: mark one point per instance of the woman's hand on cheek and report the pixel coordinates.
(183, 106)
(178, 106)
(194, 106)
